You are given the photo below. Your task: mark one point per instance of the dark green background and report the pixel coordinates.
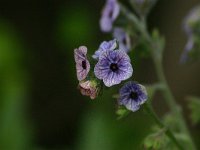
(40, 106)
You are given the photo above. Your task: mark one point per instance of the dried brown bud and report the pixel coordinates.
(89, 88)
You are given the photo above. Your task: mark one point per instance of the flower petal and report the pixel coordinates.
(80, 58)
(126, 99)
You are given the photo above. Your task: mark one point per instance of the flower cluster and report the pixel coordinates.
(110, 64)
(113, 64)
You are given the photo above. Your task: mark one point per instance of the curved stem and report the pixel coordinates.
(157, 59)
(171, 102)
(168, 132)
(169, 98)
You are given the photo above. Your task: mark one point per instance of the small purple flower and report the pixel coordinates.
(106, 45)
(123, 39)
(82, 64)
(113, 67)
(109, 14)
(132, 95)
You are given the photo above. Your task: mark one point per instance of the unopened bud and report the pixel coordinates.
(89, 88)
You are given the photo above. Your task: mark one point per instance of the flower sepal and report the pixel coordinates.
(122, 112)
(90, 88)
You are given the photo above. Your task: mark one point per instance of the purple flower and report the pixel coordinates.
(106, 45)
(82, 64)
(191, 26)
(191, 23)
(113, 67)
(109, 14)
(132, 95)
(189, 46)
(123, 39)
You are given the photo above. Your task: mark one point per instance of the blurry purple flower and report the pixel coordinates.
(113, 67)
(191, 26)
(106, 45)
(123, 39)
(189, 46)
(132, 95)
(191, 23)
(82, 64)
(89, 88)
(109, 14)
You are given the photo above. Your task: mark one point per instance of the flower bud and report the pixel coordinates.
(89, 88)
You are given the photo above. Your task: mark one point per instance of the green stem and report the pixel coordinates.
(175, 108)
(157, 59)
(168, 132)
(171, 101)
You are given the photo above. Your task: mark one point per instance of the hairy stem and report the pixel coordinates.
(157, 59)
(175, 108)
(168, 132)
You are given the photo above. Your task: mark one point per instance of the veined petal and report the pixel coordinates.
(132, 95)
(113, 67)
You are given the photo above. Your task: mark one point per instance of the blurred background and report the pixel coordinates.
(40, 106)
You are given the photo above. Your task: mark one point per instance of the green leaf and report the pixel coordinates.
(156, 140)
(194, 105)
(159, 141)
(159, 43)
(122, 112)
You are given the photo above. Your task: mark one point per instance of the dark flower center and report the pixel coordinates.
(114, 67)
(84, 64)
(110, 14)
(124, 41)
(134, 95)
